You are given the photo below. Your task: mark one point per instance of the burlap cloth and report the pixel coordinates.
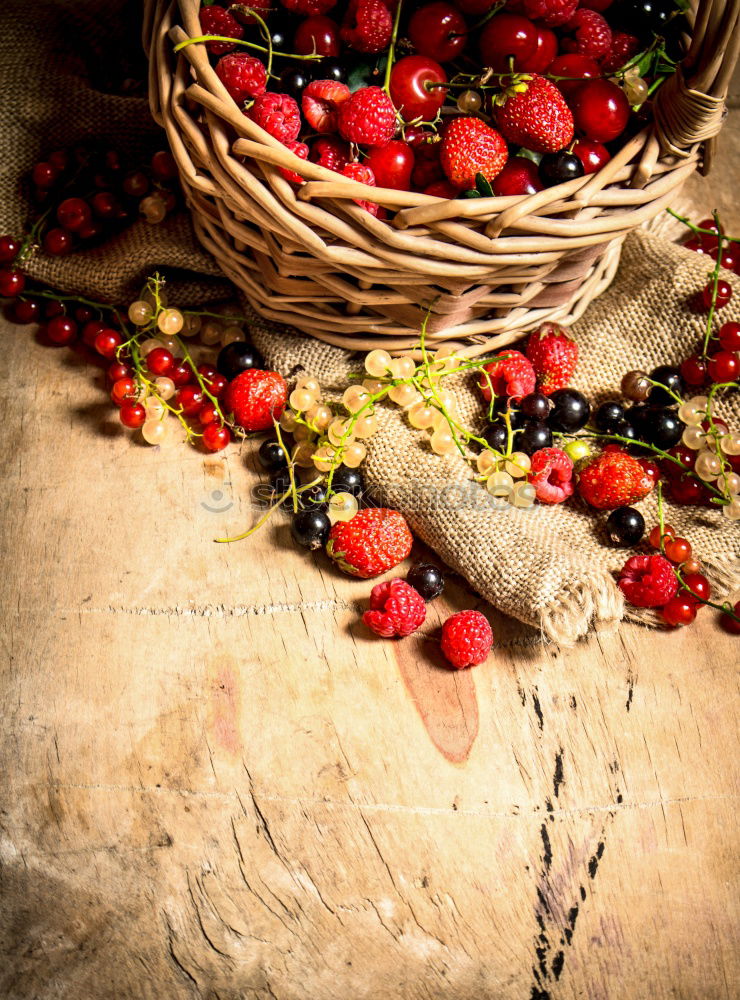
(70, 70)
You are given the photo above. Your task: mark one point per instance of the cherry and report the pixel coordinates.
(698, 585)
(216, 437)
(729, 624)
(180, 373)
(12, 282)
(58, 241)
(724, 367)
(117, 370)
(556, 168)
(73, 214)
(132, 414)
(547, 49)
(679, 610)
(600, 110)
(9, 249)
(593, 155)
(123, 389)
(684, 455)
(410, 88)
(90, 331)
(107, 343)
(26, 311)
(654, 537)
(572, 65)
(61, 330)
(317, 34)
(729, 336)
(678, 550)
(189, 399)
(163, 165)
(83, 314)
(694, 370)
(695, 244)
(160, 361)
(44, 175)
(518, 176)
(724, 294)
(508, 36)
(392, 165)
(442, 189)
(439, 31)
(207, 414)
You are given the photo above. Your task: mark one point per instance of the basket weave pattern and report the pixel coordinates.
(490, 268)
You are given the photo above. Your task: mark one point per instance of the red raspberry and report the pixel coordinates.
(536, 117)
(622, 49)
(372, 542)
(553, 356)
(427, 168)
(395, 609)
(648, 581)
(471, 147)
(512, 376)
(217, 21)
(363, 175)
(368, 117)
(330, 152)
(368, 26)
(301, 150)
(550, 12)
(243, 76)
(466, 639)
(615, 479)
(551, 475)
(256, 398)
(593, 34)
(277, 114)
(320, 103)
(309, 8)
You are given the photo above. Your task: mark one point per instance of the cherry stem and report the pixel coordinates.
(392, 49)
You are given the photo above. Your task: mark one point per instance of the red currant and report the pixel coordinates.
(59, 159)
(58, 241)
(117, 370)
(600, 110)
(518, 176)
(694, 370)
(724, 366)
(688, 491)
(12, 283)
(729, 336)
(9, 249)
(160, 361)
(122, 390)
(729, 624)
(729, 259)
(132, 414)
(216, 437)
(319, 34)
(164, 166)
(216, 384)
(54, 307)
(105, 204)
(189, 399)
(207, 414)
(654, 537)
(91, 330)
(695, 244)
(180, 373)
(439, 31)
(411, 87)
(572, 65)
(107, 343)
(508, 36)
(698, 585)
(679, 611)
(678, 550)
(724, 294)
(73, 214)
(547, 49)
(593, 155)
(83, 314)
(684, 455)
(392, 165)
(26, 311)
(90, 231)
(44, 175)
(61, 330)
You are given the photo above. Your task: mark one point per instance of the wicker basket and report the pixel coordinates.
(490, 268)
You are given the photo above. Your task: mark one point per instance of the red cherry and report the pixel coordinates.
(207, 414)
(189, 399)
(684, 455)
(678, 550)
(12, 283)
(180, 373)
(575, 66)
(698, 585)
(317, 34)
(679, 610)
(26, 311)
(508, 36)
(518, 176)
(216, 437)
(160, 361)
(105, 205)
(58, 241)
(729, 624)
(600, 110)
(107, 343)
(427, 168)
(91, 330)
(73, 214)
(117, 370)
(547, 49)
(694, 370)
(59, 159)
(724, 294)
(164, 166)
(593, 155)
(724, 367)
(132, 414)
(411, 78)
(439, 31)
(9, 249)
(123, 389)
(477, 7)
(44, 175)
(695, 244)
(392, 165)
(83, 314)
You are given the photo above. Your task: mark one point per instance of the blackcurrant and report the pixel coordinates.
(348, 480)
(497, 436)
(663, 429)
(427, 580)
(517, 419)
(272, 456)
(535, 406)
(669, 377)
(313, 497)
(294, 80)
(237, 357)
(332, 69)
(533, 437)
(570, 410)
(556, 168)
(608, 416)
(280, 484)
(625, 526)
(310, 528)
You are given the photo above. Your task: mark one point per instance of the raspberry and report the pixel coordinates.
(553, 356)
(466, 639)
(320, 103)
(309, 8)
(648, 581)
(427, 168)
(256, 398)
(301, 150)
(243, 76)
(615, 479)
(622, 49)
(471, 147)
(593, 34)
(372, 542)
(395, 609)
(217, 21)
(368, 26)
(513, 376)
(277, 114)
(550, 12)
(551, 473)
(330, 152)
(363, 175)
(536, 117)
(368, 117)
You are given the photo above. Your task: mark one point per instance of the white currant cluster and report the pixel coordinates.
(713, 441)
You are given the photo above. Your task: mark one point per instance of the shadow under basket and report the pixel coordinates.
(490, 269)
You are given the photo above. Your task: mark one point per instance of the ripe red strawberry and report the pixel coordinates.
(243, 76)
(512, 376)
(614, 479)
(551, 475)
(217, 21)
(255, 398)
(396, 609)
(301, 150)
(593, 36)
(368, 117)
(466, 639)
(537, 118)
(368, 26)
(648, 581)
(277, 114)
(471, 147)
(363, 175)
(553, 355)
(551, 12)
(320, 103)
(372, 542)
(330, 152)
(623, 47)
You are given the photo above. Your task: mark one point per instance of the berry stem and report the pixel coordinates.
(392, 49)
(240, 41)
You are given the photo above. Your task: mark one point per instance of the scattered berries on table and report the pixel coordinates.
(256, 398)
(375, 540)
(467, 639)
(396, 609)
(427, 579)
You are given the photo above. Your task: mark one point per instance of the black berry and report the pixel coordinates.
(625, 526)
(310, 529)
(535, 406)
(556, 168)
(313, 497)
(608, 416)
(238, 357)
(663, 429)
(533, 437)
(496, 435)
(570, 410)
(272, 456)
(669, 377)
(294, 80)
(427, 580)
(332, 69)
(348, 480)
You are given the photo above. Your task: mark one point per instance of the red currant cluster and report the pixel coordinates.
(468, 97)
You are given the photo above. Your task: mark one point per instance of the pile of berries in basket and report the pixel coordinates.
(465, 98)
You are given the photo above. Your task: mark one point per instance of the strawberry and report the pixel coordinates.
(372, 542)
(320, 103)
(256, 398)
(512, 376)
(553, 356)
(471, 147)
(614, 479)
(537, 116)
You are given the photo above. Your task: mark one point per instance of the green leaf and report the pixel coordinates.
(483, 186)
(472, 193)
(529, 154)
(367, 74)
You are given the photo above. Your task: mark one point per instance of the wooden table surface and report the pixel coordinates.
(219, 785)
